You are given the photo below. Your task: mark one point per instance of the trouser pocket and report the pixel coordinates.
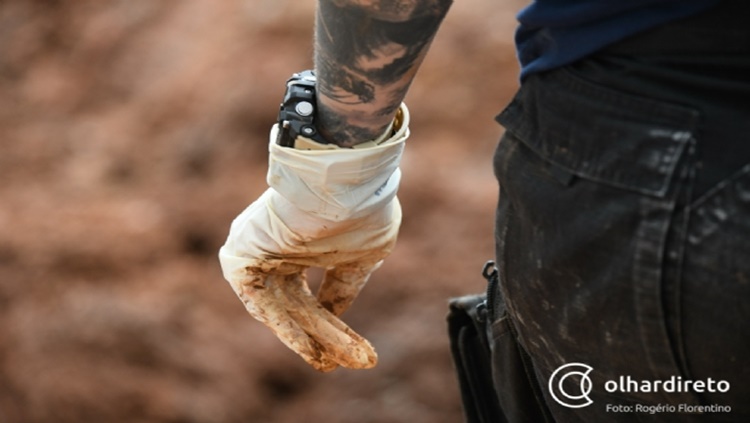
(513, 376)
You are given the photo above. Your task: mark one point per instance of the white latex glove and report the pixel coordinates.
(335, 209)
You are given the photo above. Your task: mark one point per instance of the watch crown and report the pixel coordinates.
(304, 108)
(308, 131)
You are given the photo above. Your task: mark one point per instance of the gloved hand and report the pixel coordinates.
(335, 209)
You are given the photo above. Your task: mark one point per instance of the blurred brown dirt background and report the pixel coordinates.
(131, 134)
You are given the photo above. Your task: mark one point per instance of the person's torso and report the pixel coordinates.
(554, 33)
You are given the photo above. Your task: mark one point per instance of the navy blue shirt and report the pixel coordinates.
(554, 33)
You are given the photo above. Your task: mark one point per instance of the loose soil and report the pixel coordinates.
(131, 134)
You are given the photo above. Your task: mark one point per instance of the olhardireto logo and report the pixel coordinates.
(570, 386)
(560, 390)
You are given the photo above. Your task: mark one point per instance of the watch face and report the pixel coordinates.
(297, 113)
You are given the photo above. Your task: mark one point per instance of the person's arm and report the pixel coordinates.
(334, 208)
(366, 55)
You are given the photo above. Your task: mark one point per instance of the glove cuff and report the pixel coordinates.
(342, 183)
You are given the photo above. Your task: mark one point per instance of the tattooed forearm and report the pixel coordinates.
(366, 55)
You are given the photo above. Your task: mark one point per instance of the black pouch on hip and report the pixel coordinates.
(506, 392)
(467, 321)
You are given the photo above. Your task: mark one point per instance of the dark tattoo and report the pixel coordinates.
(366, 55)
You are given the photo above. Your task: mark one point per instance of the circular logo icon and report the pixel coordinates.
(570, 385)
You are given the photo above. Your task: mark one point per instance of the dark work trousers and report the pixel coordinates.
(623, 232)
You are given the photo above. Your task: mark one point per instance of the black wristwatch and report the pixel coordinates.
(297, 114)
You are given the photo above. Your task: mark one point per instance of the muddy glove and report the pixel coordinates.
(331, 208)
